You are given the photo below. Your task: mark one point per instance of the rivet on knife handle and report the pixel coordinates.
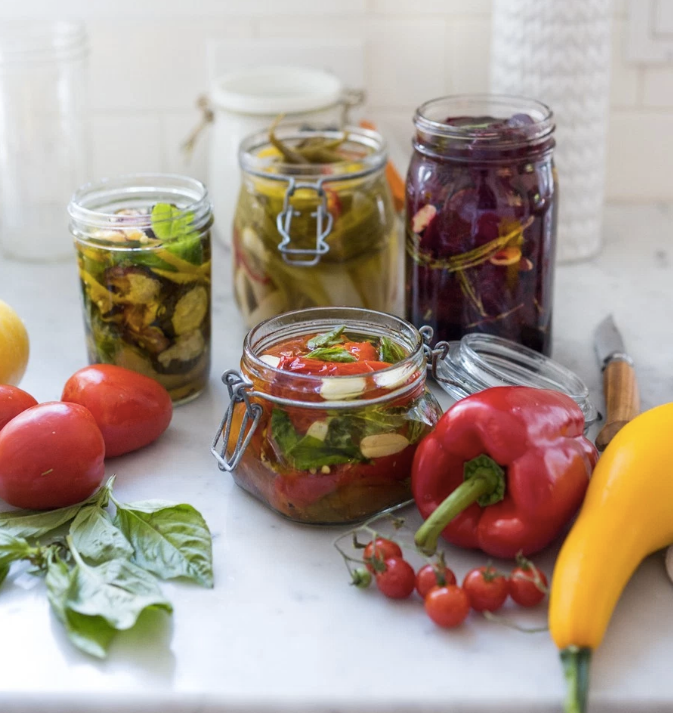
(621, 399)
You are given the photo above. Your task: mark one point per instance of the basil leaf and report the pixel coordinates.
(313, 453)
(169, 540)
(282, 431)
(416, 430)
(333, 354)
(327, 339)
(4, 571)
(117, 590)
(85, 635)
(175, 226)
(13, 549)
(306, 452)
(35, 523)
(92, 635)
(390, 352)
(96, 538)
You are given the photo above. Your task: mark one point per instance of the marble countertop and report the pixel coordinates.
(282, 632)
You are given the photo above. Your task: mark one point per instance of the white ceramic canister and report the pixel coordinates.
(559, 53)
(248, 101)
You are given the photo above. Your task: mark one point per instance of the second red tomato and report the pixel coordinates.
(130, 409)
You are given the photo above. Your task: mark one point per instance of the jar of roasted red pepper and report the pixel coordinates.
(326, 413)
(481, 210)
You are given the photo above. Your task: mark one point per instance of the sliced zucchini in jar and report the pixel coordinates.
(190, 310)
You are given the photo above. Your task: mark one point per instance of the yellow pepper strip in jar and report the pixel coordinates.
(182, 265)
(181, 278)
(626, 516)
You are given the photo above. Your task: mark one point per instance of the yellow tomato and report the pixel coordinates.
(14, 346)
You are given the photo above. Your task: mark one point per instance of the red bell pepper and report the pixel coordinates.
(504, 471)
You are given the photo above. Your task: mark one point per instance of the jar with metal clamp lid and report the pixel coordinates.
(326, 413)
(315, 223)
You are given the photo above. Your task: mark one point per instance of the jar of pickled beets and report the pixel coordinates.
(481, 206)
(326, 413)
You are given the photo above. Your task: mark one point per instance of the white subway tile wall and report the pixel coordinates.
(148, 65)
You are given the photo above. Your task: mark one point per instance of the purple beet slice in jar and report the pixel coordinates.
(481, 206)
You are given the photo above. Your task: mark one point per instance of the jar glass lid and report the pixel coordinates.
(480, 361)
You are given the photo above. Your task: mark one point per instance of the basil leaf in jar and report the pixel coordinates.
(332, 354)
(327, 339)
(169, 540)
(306, 452)
(174, 226)
(390, 352)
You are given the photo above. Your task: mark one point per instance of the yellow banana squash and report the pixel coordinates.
(627, 514)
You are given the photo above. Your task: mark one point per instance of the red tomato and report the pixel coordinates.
(527, 585)
(12, 402)
(433, 575)
(378, 551)
(130, 409)
(397, 580)
(447, 606)
(51, 456)
(486, 588)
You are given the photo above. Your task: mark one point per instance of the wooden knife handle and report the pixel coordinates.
(621, 399)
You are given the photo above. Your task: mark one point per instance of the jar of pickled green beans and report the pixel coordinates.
(315, 224)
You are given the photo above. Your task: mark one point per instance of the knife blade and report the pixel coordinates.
(619, 381)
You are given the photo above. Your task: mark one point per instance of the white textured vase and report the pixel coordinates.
(558, 51)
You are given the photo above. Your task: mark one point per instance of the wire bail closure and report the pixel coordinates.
(238, 388)
(324, 223)
(434, 356)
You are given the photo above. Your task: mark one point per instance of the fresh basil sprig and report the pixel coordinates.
(101, 576)
(335, 354)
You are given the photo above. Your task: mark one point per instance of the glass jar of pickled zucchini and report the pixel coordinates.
(315, 223)
(144, 259)
(326, 413)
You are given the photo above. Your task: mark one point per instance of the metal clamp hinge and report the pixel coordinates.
(434, 356)
(324, 222)
(238, 393)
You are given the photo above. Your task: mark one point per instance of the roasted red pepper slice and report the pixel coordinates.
(316, 367)
(504, 471)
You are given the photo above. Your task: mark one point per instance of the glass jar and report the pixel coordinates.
(482, 361)
(314, 234)
(326, 449)
(481, 210)
(144, 258)
(44, 147)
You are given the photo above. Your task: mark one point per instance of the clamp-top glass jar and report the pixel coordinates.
(326, 413)
(481, 219)
(144, 257)
(315, 223)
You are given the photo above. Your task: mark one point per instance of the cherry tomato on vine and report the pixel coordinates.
(486, 588)
(13, 401)
(51, 456)
(447, 606)
(527, 585)
(397, 580)
(378, 551)
(433, 575)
